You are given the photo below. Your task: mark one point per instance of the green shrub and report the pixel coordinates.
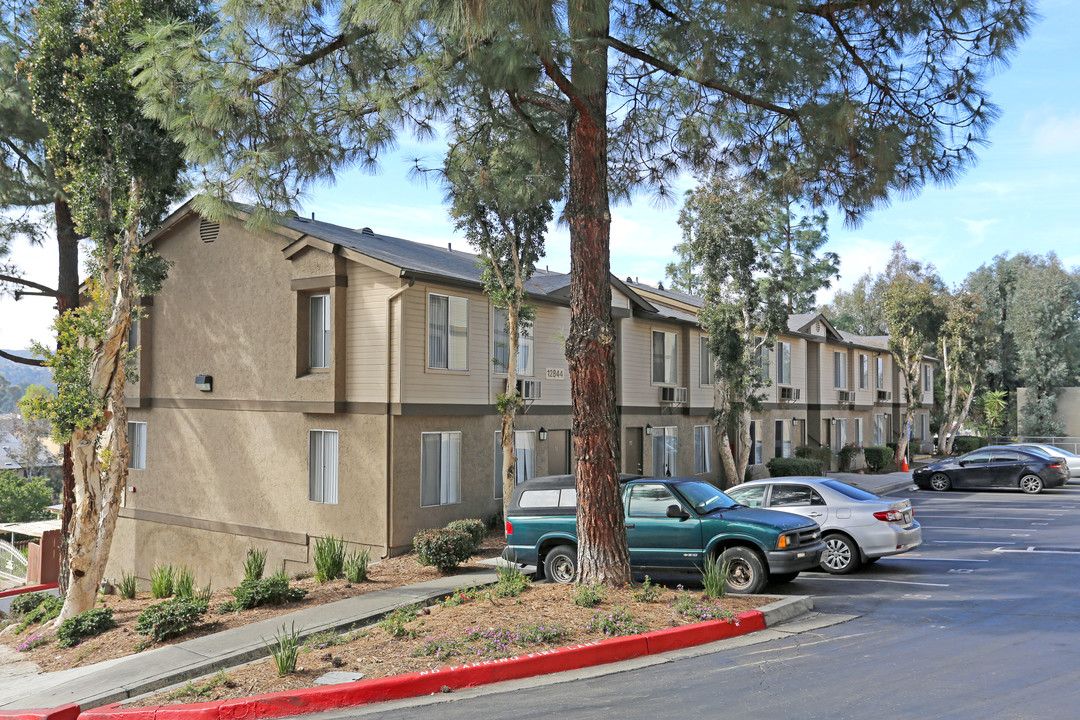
(512, 582)
(877, 457)
(329, 558)
(23, 604)
(968, 443)
(255, 564)
(804, 451)
(185, 582)
(171, 618)
(892, 446)
(285, 649)
(47, 608)
(788, 467)
(356, 566)
(714, 575)
(273, 590)
(395, 622)
(475, 528)
(84, 625)
(648, 593)
(588, 595)
(162, 580)
(128, 585)
(847, 455)
(443, 549)
(616, 622)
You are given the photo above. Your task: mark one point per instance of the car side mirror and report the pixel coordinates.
(676, 511)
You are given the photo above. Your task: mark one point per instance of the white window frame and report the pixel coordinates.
(840, 369)
(702, 449)
(323, 466)
(670, 456)
(859, 432)
(455, 338)
(136, 433)
(783, 362)
(879, 429)
(525, 450)
(879, 373)
(762, 358)
(840, 433)
(864, 371)
(500, 347)
(319, 331)
(448, 487)
(707, 371)
(669, 361)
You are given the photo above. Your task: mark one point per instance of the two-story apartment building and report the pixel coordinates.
(316, 380)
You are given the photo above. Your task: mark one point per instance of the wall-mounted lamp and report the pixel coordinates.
(204, 383)
(648, 429)
(794, 421)
(542, 432)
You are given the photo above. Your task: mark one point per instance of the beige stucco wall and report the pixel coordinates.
(1068, 408)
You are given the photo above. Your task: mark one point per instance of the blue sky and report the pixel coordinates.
(1022, 196)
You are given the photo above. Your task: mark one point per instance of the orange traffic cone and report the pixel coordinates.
(905, 466)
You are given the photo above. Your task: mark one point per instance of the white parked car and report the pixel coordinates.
(858, 527)
(1072, 460)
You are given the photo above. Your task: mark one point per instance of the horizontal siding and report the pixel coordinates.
(550, 328)
(366, 333)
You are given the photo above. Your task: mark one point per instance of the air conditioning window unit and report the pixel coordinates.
(847, 396)
(790, 393)
(673, 395)
(884, 395)
(529, 389)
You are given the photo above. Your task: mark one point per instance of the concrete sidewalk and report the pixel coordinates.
(119, 679)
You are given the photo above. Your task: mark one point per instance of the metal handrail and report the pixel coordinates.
(11, 561)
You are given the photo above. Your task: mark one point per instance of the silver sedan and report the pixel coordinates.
(858, 527)
(1072, 460)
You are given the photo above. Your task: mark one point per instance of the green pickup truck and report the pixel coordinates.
(672, 525)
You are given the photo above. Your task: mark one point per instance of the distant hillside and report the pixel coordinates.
(18, 374)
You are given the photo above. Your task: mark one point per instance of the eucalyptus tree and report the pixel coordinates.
(867, 100)
(120, 172)
(503, 175)
(962, 353)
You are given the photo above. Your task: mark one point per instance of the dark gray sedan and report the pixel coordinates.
(1001, 467)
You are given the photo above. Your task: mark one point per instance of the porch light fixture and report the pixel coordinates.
(794, 421)
(542, 433)
(204, 383)
(648, 429)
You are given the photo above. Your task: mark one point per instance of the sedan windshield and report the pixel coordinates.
(704, 498)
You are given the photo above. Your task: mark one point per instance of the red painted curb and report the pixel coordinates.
(23, 590)
(455, 677)
(64, 712)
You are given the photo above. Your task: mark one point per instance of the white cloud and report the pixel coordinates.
(1053, 134)
(977, 229)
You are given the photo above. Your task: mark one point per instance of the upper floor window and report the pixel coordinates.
(927, 383)
(840, 369)
(136, 445)
(761, 358)
(880, 373)
(665, 357)
(319, 331)
(440, 468)
(502, 345)
(707, 363)
(864, 371)
(783, 363)
(448, 332)
(323, 466)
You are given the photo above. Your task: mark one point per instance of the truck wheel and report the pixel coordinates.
(745, 572)
(560, 565)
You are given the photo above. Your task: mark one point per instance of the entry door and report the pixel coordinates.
(558, 447)
(632, 454)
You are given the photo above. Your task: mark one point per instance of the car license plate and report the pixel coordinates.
(908, 517)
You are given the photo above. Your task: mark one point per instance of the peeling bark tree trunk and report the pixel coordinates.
(963, 415)
(590, 346)
(910, 371)
(67, 298)
(509, 422)
(100, 451)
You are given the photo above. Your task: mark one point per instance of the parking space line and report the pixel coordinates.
(912, 557)
(972, 542)
(986, 517)
(834, 578)
(953, 527)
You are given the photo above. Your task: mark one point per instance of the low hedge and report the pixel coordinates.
(788, 467)
(443, 549)
(86, 624)
(878, 457)
(274, 590)
(171, 618)
(967, 443)
(475, 528)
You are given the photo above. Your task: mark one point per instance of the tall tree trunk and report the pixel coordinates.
(67, 298)
(100, 451)
(909, 365)
(952, 390)
(963, 415)
(509, 423)
(590, 347)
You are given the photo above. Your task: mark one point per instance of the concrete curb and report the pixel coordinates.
(64, 712)
(363, 692)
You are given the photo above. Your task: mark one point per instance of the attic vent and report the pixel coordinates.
(367, 231)
(208, 231)
(817, 327)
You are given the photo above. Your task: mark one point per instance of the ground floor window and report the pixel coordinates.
(665, 445)
(136, 432)
(840, 435)
(782, 440)
(525, 449)
(858, 439)
(323, 466)
(755, 442)
(879, 430)
(440, 468)
(702, 445)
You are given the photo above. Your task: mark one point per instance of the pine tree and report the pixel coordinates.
(866, 101)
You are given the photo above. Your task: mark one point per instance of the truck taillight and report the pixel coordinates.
(509, 528)
(889, 515)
